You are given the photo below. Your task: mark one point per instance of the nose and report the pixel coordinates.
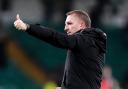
(66, 28)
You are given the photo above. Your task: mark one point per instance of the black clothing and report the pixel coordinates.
(85, 57)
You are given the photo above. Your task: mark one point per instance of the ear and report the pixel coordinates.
(82, 25)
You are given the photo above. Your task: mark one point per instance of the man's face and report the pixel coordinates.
(73, 24)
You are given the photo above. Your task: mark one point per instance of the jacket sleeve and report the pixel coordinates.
(52, 37)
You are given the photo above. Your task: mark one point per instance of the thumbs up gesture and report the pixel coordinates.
(17, 17)
(19, 24)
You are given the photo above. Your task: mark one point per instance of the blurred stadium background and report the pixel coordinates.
(28, 63)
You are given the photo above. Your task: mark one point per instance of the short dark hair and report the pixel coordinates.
(82, 15)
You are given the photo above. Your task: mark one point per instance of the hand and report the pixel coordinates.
(19, 24)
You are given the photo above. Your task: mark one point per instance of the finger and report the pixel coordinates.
(18, 28)
(15, 23)
(17, 17)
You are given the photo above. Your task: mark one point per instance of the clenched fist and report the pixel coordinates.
(19, 24)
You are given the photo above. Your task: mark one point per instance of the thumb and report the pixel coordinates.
(17, 17)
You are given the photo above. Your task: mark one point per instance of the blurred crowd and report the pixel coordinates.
(103, 13)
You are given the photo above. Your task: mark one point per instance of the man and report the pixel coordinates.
(86, 48)
(108, 81)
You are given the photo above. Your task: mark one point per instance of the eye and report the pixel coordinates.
(69, 23)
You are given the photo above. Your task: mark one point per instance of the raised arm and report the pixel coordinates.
(50, 36)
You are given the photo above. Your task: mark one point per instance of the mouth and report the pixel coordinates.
(68, 33)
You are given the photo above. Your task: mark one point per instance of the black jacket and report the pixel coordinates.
(85, 56)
